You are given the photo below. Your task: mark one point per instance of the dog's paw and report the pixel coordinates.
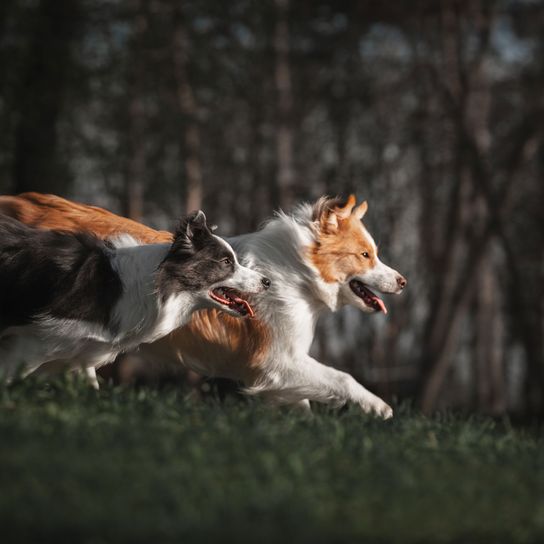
(385, 411)
(379, 409)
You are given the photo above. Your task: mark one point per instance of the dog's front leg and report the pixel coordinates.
(310, 379)
(89, 374)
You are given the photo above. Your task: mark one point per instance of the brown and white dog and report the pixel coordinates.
(319, 258)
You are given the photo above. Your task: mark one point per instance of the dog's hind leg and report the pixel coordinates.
(304, 406)
(89, 373)
(59, 366)
(20, 355)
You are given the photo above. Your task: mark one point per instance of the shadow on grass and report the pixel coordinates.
(131, 465)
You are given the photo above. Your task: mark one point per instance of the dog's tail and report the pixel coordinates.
(11, 206)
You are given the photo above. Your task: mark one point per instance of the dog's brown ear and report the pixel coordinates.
(329, 223)
(359, 211)
(328, 212)
(343, 212)
(339, 213)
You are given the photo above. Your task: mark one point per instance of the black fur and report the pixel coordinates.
(196, 260)
(62, 274)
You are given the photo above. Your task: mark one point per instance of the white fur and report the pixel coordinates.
(380, 276)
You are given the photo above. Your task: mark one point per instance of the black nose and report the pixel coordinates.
(266, 282)
(401, 281)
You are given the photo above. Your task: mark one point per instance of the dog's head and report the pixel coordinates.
(206, 265)
(345, 255)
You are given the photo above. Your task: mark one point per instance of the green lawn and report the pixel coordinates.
(155, 466)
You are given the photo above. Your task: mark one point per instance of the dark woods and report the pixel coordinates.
(433, 111)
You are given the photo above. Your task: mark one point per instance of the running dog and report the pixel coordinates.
(80, 301)
(319, 258)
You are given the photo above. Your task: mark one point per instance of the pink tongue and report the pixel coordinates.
(380, 304)
(246, 305)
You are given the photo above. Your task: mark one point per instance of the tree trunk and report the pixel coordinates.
(37, 165)
(189, 110)
(282, 194)
(490, 381)
(134, 183)
(468, 107)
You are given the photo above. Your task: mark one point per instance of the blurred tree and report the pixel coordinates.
(433, 111)
(181, 53)
(46, 72)
(135, 177)
(282, 194)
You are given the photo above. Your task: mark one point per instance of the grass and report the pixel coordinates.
(154, 466)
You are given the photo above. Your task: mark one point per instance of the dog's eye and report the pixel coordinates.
(226, 260)
(365, 254)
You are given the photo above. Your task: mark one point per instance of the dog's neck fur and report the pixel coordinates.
(283, 246)
(142, 312)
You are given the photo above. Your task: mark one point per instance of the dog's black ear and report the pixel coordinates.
(197, 225)
(191, 232)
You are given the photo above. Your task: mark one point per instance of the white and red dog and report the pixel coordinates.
(77, 300)
(319, 258)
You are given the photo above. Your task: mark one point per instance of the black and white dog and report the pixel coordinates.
(80, 301)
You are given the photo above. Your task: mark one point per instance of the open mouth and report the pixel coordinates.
(233, 299)
(368, 297)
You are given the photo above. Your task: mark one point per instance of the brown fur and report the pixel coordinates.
(342, 240)
(53, 212)
(235, 345)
